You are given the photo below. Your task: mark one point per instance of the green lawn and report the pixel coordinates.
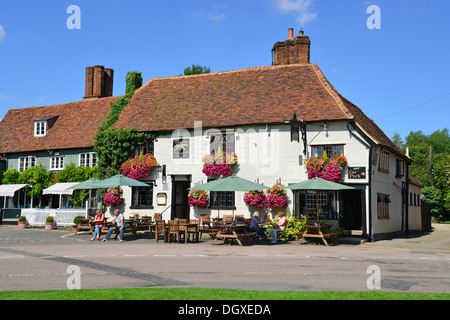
(212, 294)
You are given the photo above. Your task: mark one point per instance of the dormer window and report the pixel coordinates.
(41, 126)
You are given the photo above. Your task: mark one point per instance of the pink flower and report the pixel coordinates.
(255, 198)
(198, 198)
(113, 197)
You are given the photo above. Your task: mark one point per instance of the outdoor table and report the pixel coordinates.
(228, 231)
(186, 226)
(83, 224)
(315, 231)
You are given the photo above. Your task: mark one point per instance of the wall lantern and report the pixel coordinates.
(297, 127)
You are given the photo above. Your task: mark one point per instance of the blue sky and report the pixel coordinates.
(398, 75)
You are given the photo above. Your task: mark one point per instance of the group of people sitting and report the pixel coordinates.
(278, 227)
(118, 225)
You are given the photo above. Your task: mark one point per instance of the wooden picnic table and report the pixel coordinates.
(316, 231)
(233, 231)
(188, 225)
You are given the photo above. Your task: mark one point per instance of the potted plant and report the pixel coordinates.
(140, 166)
(255, 198)
(276, 198)
(49, 223)
(22, 224)
(219, 164)
(198, 198)
(113, 197)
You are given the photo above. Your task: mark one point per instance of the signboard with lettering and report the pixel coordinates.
(357, 172)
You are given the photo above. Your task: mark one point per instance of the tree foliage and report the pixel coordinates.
(38, 177)
(115, 146)
(196, 69)
(419, 145)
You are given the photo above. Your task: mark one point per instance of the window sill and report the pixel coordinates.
(141, 207)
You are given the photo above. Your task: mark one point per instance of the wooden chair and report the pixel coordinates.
(174, 232)
(160, 229)
(227, 218)
(205, 224)
(194, 230)
(182, 220)
(239, 219)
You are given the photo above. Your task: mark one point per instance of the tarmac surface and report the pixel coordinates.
(35, 259)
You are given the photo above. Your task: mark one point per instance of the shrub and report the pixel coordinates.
(22, 218)
(293, 228)
(49, 219)
(76, 220)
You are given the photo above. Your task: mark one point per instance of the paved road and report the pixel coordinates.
(35, 259)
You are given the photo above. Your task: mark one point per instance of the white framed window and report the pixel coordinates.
(40, 128)
(88, 159)
(26, 162)
(57, 163)
(334, 150)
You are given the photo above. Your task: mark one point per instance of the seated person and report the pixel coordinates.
(254, 224)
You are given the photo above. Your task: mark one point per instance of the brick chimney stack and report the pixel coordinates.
(292, 50)
(99, 82)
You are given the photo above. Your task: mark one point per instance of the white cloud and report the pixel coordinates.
(2, 33)
(300, 8)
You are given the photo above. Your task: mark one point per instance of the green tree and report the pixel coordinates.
(38, 177)
(196, 69)
(397, 139)
(11, 176)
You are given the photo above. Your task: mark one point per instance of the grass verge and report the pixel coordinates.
(213, 294)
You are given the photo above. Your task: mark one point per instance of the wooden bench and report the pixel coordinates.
(83, 225)
(229, 232)
(317, 233)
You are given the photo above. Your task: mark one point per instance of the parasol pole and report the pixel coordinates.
(317, 205)
(233, 206)
(218, 205)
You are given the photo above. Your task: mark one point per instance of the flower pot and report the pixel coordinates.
(49, 226)
(22, 224)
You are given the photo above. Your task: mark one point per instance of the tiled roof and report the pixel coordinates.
(249, 96)
(262, 95)
(75, 126)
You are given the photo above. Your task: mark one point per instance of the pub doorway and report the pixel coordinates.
(180, 192)
(352, 210)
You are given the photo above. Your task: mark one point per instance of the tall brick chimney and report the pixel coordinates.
(99, 82)
(292, 50)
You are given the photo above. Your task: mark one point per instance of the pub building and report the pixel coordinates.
(272, 118)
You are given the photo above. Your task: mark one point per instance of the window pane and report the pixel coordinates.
(142, 196)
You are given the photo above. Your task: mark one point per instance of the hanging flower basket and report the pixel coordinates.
(139, 167)
(113, 197)
(219, 164)
(326, 168)
(276, 197)
(198, 198)
(255, 198)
